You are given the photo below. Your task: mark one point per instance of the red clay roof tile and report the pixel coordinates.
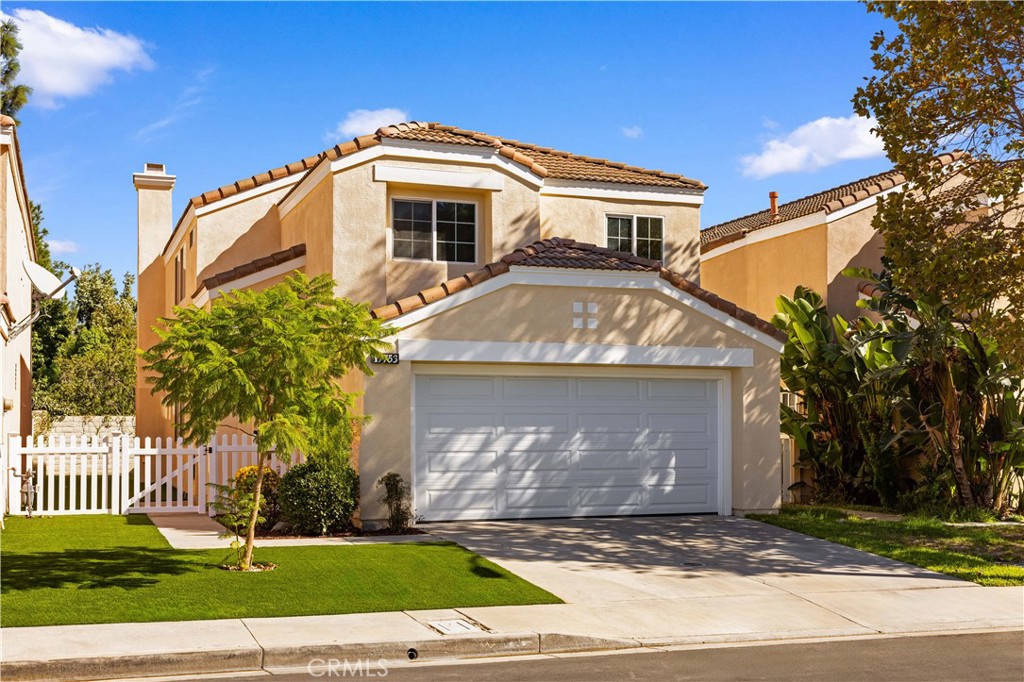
(827, 201)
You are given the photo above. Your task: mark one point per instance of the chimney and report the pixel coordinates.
(153, 186)
(773, 200)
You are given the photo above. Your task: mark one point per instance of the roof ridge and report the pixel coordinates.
(452, 286)
(511, 149)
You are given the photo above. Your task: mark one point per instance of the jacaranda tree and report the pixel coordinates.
(272, 359)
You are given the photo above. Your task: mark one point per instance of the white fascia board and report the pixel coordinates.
(430, 350)
(867, 202)
(255, 278)
(310, 180)
(529, 276)
(383, 172)
(434, 153)
(252, 193)
(6, 135)
(174, 241)
(620, 191)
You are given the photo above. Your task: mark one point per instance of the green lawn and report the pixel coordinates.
(109, 569)
(988, 555)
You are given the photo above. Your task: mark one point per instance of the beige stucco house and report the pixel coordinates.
(16, 246)
(754, 259)
(555, 354)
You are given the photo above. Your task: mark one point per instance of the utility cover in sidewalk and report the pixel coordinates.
(453, 627)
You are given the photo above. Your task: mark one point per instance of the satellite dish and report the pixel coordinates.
(44, 281)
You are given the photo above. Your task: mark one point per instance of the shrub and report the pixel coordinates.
(318, 498)
(270, 505)
(396, 497)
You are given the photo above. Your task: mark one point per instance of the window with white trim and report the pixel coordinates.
(643, 236)
(434, 230)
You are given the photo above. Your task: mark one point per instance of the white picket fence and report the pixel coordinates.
(122, 475)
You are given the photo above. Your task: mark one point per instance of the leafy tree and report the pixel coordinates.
(86, 350)
(12, 96)
(952, 78)
(272, 359)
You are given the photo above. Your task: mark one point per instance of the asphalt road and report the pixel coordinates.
(991, 657)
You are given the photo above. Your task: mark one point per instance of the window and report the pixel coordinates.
(640, 235)
(434, 230)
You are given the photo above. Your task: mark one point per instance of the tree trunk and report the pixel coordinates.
(250, 536)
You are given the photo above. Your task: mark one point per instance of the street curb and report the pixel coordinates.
(143, 665)
(459, 646)
(257, 659)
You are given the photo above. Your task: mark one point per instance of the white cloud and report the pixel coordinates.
(815, 145)
(633, 132)
(365, 121)
(60, 60)
(59, 247)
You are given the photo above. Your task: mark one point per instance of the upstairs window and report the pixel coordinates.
(434, 230)
(639, 235)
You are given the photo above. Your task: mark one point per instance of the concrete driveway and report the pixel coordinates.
(709, 576)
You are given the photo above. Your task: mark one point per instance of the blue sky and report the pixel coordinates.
(746, 97)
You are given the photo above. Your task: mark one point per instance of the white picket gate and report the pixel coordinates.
(122, 475)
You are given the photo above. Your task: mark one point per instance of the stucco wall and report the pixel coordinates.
(544, 314)
(754, 275)
(16, 237)
(585, 220)
(852, 242)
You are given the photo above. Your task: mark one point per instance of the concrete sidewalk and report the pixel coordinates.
(627, 583)
(83, 652)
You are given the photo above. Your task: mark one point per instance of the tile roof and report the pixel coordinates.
(258, 265)
(827, 201)
(542, 161)
(568, 253)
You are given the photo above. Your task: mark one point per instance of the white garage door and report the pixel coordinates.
(516, 447)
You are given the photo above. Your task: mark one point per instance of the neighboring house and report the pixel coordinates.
(16, 246)
(537, 374)
(810, 241)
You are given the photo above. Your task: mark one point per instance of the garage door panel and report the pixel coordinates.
(608, 389)
(687, 461)
(462, 423)
(538, 460)
(700, 423)
(519, 447)
(610, 460)
(609, 498)
(453, 388)
(609, 423)
(688, 494)
(536, 423)
(681, 389)
(539, 499)
(476, 461)
(532, 389)
(461, 499)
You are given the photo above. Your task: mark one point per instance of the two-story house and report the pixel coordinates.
(17, 245)
(809, 241)
(556, 356)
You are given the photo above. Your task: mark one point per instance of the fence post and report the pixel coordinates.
(114, 463)
(204, 460)
(13, 461)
